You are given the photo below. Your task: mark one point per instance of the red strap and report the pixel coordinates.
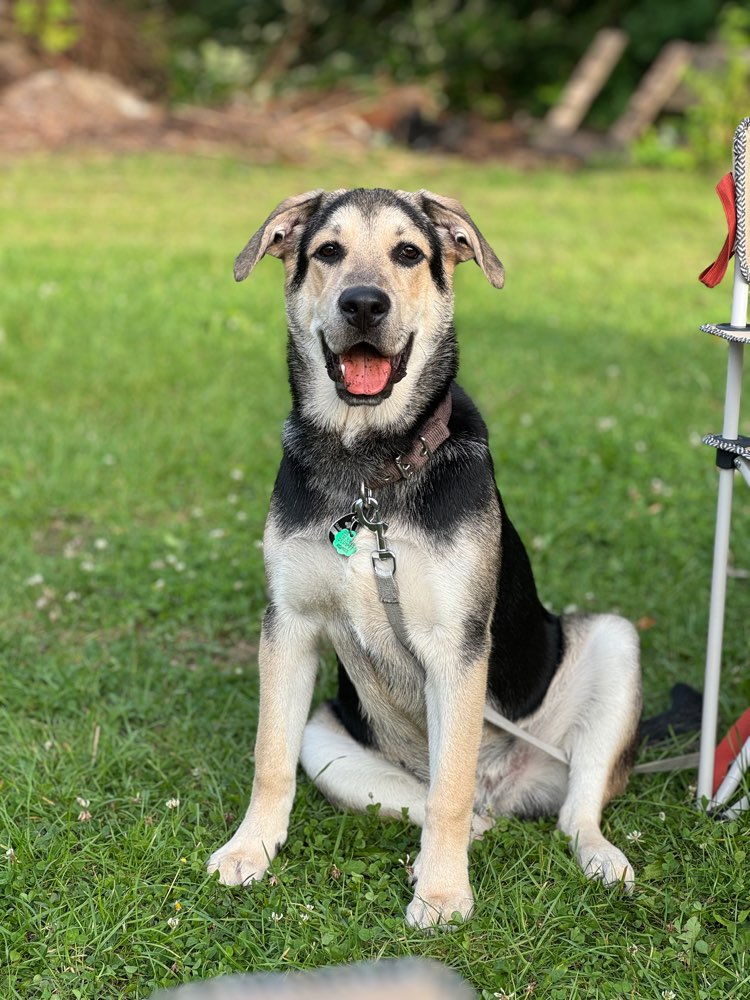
(716, 271)
(730, 747)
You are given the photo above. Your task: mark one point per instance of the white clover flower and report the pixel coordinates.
(634, 836)
(173, 922)
(88, 566)
(83, 803)
(216, 533)
(84, 816)
(72, 596)
(101, 544)
(36, 580)
(237, 475)
(276, 916)
(172, 803)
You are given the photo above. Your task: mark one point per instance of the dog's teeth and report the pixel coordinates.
(342, 366)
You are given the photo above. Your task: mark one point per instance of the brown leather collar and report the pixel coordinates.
(433, 432)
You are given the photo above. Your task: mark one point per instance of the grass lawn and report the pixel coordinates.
(142, 394)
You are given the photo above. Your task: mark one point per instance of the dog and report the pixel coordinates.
(433, 612)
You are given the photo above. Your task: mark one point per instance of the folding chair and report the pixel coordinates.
(720, 771)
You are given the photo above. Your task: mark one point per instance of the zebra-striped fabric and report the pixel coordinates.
(728, 332)
(739, 149)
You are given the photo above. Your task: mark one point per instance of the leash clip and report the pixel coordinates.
(365, 510)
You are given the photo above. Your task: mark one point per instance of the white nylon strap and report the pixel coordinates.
(496, 719)
(388, 593)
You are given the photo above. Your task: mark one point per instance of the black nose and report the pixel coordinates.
(364, 306)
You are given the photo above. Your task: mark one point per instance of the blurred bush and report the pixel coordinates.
(702, 137)
(494, 57)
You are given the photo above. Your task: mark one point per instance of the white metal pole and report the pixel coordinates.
(721, 546)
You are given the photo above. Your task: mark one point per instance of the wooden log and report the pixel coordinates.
(655, 89)
(586, 81)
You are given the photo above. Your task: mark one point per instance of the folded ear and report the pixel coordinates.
(468, 243)
(275, 235)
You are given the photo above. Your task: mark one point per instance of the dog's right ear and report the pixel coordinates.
(275, 235)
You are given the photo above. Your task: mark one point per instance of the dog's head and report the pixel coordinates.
(369, 292)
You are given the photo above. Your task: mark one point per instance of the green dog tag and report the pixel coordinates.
(343, 542)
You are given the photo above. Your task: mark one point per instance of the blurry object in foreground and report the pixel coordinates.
(401, 979)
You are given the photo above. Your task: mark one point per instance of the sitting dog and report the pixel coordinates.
(433, 612)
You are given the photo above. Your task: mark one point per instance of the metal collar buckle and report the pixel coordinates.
(404, 467)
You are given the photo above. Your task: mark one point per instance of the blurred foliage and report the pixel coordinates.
(47, 24)
(492, 56)
(703, 136)
(723, 95)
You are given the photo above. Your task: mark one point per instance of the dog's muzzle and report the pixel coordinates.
(362, 373)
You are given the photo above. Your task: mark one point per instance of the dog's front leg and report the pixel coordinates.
(287, 662)
(455, 694)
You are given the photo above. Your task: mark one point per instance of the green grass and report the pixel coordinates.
(141, 398)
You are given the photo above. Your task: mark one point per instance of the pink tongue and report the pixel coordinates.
(366, 372)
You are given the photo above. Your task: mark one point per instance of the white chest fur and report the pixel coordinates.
(438, 585)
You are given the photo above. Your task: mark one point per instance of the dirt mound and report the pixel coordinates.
(53, 107)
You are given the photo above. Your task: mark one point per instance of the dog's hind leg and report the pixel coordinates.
(353, 776)
(600, 741)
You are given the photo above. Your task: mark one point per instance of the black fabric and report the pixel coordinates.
(683, 716)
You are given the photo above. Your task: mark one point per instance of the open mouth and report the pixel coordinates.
(363, 371)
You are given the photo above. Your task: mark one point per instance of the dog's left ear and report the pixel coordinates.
(466, 240)
(275, 235)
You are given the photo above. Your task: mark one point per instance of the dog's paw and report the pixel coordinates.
(428, 909)
(242, 861)
(605, 863)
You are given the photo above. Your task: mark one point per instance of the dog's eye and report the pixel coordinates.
(408, 254)
(329, 252)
